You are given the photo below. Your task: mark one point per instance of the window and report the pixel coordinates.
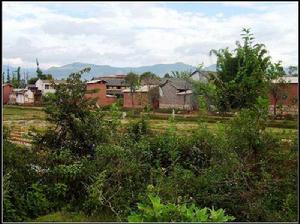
(46, 86)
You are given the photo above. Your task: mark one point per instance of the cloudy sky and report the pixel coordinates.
(136, 34)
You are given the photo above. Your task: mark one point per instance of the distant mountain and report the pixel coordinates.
(98, 70)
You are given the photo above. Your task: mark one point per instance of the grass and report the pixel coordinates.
(73, 217)
(20, 118)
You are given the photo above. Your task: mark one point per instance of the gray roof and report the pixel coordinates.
(112, 81)
(179, 84)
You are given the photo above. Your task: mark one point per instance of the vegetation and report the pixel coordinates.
(243, 75)
(87, 166)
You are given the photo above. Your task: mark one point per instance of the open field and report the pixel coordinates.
(21, 119)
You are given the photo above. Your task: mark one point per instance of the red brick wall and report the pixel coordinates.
(289, 105)
(292, 95)
(140, 100)
(7, 89)
(102, 99)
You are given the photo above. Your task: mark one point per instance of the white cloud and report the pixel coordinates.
(134, 34)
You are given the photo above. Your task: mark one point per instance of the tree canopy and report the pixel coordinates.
(243, 74)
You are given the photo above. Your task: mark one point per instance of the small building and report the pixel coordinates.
(287, 99)
(21, 97)
(115, 84)
(175, 93)
(7, 90)
(97, 91)
(142, 97)
(46, 86)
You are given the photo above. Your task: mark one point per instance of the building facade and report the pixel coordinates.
(97, 91)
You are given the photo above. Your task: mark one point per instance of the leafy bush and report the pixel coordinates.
(155, 211)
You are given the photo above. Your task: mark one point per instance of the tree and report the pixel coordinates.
(3, 77)
(148, 79)
(133, 81)
(76, 126)
(40, 74)
(242, 75)
(293, 70)
(167, 75)
(181, 75)
(277, 89)
(8, 75)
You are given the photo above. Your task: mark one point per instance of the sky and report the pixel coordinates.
(142, 33)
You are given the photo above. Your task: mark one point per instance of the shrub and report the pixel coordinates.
(155, 211)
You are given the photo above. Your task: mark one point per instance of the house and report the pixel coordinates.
(114, 84)
(202, 76)
(46, 86)
(286, 96)
(140, 98)
(36, 92)
(175, 93)
(170, 93)
(97, 91)
(21, 97)
(7, 89)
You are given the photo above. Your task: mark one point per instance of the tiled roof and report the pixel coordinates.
(112, 81)
(179, 84)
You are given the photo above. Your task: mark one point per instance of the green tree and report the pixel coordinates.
(242, 75)
(8, 76)
(133, 81)
(277, 88)
(148, 79)
(167, 75)
(76, 126)
(181, 74)
(40, 74)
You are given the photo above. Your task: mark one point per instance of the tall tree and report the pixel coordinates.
(8, 75)
(38, 70)
(3, 77)
(242, 75)
(18, 76)
(133, 81)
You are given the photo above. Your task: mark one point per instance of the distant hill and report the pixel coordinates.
(98, 70)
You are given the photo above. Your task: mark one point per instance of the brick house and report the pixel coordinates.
(7, 90)
(114, 84)
(100, 94)
(288, 99)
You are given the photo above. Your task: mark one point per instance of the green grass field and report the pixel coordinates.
(21, 119)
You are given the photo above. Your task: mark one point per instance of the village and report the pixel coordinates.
(155, 93)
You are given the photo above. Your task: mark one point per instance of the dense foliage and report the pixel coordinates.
(88, 162)
(244, 74)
